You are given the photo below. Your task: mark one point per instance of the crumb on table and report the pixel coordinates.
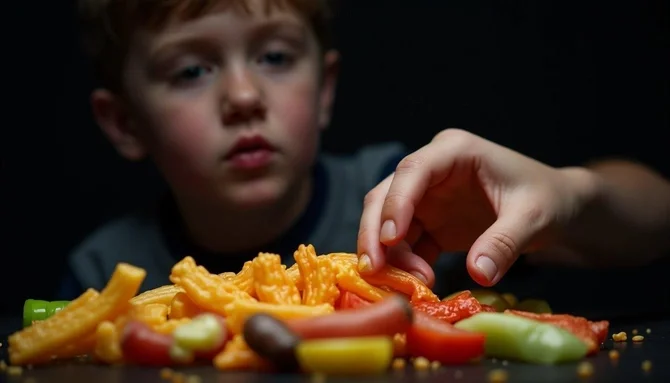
(166, 373)
(498, 375)
(421, 363)
(620, 337)
(398, 364)
(585, 369)
(178, 377)
(14, 370)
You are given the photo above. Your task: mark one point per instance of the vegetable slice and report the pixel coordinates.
(345, 356)
(536, 306)
(80, 318)
(349, 300)
(387, 317)
(142, 346)
(526, 340)
(37, 310)
(460, 306)
(591, 333)
(440, 341)
(491, 298)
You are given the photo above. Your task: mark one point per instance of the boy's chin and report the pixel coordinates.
(253, 202)
(255, 196)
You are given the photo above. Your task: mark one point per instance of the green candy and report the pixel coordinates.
(37, 310)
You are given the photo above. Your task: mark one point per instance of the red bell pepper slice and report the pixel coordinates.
(437, 340)
(454, 309)
(591, 333)
(349, 300)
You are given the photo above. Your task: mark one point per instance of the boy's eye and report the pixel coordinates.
(276, 58)
(192, 72)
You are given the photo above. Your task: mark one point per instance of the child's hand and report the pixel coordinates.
(461, 192)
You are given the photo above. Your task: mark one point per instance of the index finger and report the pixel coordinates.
(414, 175)
(370, 249)
(372, 253)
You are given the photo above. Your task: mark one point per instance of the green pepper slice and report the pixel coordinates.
(491, 298)
(526, 340)
(37, 310)
(511, 299)
(536, 306)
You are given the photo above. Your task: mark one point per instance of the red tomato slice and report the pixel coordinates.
(349, 300)
(489, 309)
(437, 340)
(601, 329)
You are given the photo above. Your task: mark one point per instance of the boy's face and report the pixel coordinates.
(229, 105)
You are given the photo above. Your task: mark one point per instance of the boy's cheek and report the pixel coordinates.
(182, 143)
(185, 167)
(300, 130)
(298, 110)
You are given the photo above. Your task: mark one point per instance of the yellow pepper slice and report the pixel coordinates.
(345, 356)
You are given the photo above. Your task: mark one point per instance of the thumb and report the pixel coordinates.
(494, 252)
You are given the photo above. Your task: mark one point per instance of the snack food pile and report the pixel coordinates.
(319, 315)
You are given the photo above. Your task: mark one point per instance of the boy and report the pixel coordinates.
(228, 98)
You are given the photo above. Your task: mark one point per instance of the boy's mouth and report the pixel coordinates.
(250, 152)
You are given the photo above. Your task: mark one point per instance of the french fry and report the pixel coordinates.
(403, 282)
(238, 356)
(36, 342)
(108, 343)
(271, 283)
(209, 291)
(348, 279)
(163, 294)
(183, 307)
(93, 323)
(152, 314)
(318, 277)
(241, 309)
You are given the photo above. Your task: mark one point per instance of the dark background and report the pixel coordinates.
(561, 81)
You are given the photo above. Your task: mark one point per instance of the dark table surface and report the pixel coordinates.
(655, 348)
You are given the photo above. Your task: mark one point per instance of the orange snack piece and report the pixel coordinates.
(82, 318)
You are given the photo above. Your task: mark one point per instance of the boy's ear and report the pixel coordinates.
(116, 123)
(331, 67)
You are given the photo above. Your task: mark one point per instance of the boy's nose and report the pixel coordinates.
(242, 99)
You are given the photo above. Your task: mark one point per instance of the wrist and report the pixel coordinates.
(585, 186)
(585, 191)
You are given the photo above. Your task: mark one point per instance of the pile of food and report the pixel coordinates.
(319, 316)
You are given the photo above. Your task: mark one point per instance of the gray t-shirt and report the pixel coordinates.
(155, 240)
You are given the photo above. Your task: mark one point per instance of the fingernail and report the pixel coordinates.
(487, 267)
(420, 276)
(364, 263)
(388, 231)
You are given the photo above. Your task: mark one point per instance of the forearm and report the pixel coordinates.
(626, 220)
